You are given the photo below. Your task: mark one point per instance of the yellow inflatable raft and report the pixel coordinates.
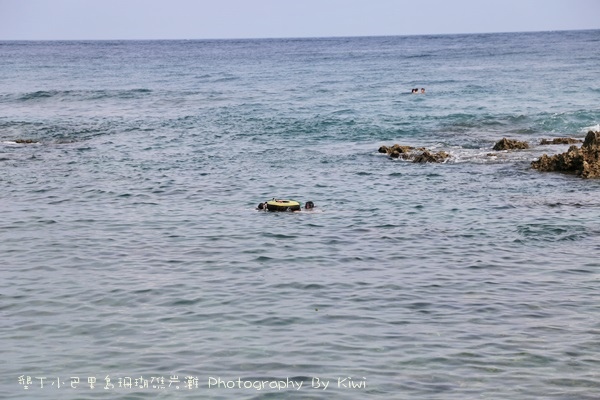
(282, 205)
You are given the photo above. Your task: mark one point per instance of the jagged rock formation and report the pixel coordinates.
(562, 140)
(428, 156)
(417, 155)
(510, 144)
(584, 161)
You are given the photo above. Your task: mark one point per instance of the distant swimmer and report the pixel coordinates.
(284, 205)
(415, 91)
(422, 90)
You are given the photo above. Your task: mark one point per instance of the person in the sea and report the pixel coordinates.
(422, 90)
(309, 205)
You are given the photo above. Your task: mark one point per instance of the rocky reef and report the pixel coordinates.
(510, 144)
(25, 141)
(583, 161)
(416, 155)
(562, 140)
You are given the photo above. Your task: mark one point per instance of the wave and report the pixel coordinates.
(61, 131)
(579, 121)
(547, 232)
(467, 122)
(42, 95)
(595, 128)
(573, 123)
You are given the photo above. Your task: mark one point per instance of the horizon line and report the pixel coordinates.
(296, 37)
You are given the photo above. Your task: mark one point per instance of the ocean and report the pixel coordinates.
(135, 264)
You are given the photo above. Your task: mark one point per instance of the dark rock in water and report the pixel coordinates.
(584, 161)
(26, 141)
(397, 151)
(418, 155)
(562, 140)
(571, 161)
(427, 156)
(402, 149)
(510, 144)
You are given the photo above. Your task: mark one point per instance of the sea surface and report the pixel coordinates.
(135, 265)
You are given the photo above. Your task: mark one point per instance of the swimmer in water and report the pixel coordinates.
(309, 205)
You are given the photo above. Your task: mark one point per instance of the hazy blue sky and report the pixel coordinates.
(200, 19)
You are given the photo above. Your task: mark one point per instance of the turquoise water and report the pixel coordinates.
(131, 246)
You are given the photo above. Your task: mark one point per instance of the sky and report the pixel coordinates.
(233, 19)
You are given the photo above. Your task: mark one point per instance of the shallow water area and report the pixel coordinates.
(136, 265)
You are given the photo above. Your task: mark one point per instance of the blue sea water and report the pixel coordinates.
(134, 264)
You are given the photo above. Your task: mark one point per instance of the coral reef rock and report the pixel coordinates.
(562, 140)
(584, 161)
(417, 155)
(510, 144)
(427, 156)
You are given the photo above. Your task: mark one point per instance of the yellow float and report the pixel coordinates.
(282, 205)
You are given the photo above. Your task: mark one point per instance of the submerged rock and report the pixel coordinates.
(510, 144)
(417, 155)
(584, 161)
(396, 150)
(427, 156)
(562, 140)
(402, 149)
